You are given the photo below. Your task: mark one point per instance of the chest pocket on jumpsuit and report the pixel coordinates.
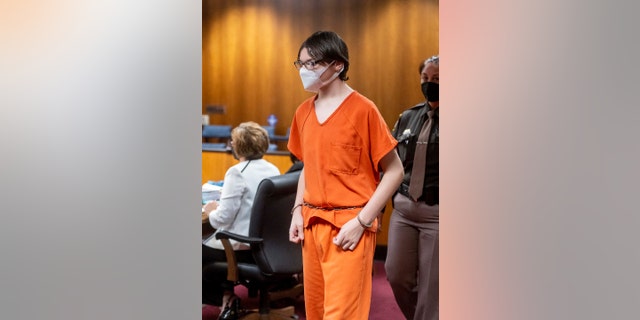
(345, 158)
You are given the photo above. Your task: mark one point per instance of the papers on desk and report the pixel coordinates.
(210, 193)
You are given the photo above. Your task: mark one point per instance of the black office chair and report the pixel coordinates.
(277, 259)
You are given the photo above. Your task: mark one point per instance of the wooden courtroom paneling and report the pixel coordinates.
(248, 49)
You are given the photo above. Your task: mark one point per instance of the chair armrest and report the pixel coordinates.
(232, 262)
(222, 234)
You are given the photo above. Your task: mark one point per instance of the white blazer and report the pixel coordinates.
(236, 199)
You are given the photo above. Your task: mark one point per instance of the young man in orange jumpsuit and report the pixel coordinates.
(345, 146)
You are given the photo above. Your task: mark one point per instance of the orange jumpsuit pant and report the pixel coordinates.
(337, 283)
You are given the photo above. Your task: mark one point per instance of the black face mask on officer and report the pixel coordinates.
(430, 91)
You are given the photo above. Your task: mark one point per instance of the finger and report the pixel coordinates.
(292, 233)
(300, 233)
(340, 239)
(344, 243)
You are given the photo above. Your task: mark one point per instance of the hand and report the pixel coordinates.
(349, 235)
(210, 207)
(296, 232)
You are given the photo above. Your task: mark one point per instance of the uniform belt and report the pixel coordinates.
(306, 204)
(430, 195)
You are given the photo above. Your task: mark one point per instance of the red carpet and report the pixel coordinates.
(383, 305)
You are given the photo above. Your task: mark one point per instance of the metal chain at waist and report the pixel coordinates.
(306, 204)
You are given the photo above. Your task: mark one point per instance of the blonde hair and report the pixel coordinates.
(250, 140)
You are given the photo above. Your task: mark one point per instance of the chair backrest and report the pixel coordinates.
(270, 220)
(216, 131)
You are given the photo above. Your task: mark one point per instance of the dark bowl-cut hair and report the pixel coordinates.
(327, 46)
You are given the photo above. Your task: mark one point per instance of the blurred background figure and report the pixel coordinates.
(412, 255)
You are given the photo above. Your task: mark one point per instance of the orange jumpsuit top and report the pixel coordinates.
(340, 156)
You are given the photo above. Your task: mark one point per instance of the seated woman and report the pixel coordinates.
(249, 141)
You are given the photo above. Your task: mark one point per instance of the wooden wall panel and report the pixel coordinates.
(249, 47)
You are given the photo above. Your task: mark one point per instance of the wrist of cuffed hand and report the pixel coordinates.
(295, 207)
(363, 224)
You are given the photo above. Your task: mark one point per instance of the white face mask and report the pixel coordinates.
(311, 78)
